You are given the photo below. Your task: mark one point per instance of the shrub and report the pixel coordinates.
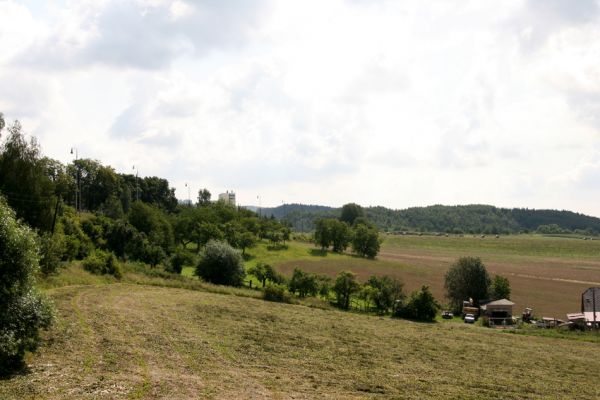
(178, 260)
(102, 263)
(23, 311)
(221, 264)
(275, 292)
(52, 249)
(422, 306)
(303, 283)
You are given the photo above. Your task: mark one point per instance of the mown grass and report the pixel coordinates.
(522, 245)
(154, 342)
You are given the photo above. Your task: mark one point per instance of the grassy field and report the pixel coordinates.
(546, 273)
(124, 341)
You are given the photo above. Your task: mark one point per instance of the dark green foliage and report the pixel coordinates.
(332, 232)
(153, 254)
(153, 223)
(421, 306)
(203, 197)
(551, 229)
(77, 244)
(450, 219)
(350, 212)
(345, 286)
(275, 292)
(387, 292)
(365, 241)
(221, 264)
(303, 283)
(324, 283)
(102, 263)
(266, 273)
(500, 288)
(23, 311)
(466, 279)
(177, 260)
(112, 207)
(24, 180)
(52, 249)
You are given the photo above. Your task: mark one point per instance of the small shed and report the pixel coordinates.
(498, 312)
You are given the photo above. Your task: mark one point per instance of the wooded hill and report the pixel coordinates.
(449, 219)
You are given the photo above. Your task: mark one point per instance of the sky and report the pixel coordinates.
(391, 103)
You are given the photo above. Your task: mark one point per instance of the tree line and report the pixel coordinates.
(469, 219)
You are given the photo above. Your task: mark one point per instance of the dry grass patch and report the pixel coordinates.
(128, 341)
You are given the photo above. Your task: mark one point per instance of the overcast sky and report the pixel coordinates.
(399, 103)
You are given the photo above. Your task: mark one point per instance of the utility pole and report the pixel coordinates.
(78, 182)
(189, 198)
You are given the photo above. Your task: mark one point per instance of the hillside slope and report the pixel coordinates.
(128, 341)
(438, 218)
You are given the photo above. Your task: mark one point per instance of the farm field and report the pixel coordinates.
(546, 273)
(124, 341)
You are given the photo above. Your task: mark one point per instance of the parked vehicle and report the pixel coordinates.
(469, 319)
(447, 314)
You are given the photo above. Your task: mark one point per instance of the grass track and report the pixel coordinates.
(152, 342)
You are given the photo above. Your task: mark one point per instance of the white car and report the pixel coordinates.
(469, 319)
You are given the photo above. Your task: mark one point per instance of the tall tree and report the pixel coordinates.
(500, 288)
(344, 287)
(24, 180)
(203, 197)
(467, 279)
(350, 212)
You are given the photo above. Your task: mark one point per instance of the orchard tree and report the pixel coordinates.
(344, 287)
(246, 240)
(23, 310)
(467, 279)
(365, 241)
(303, 283)
(265, 273)
(387, 292)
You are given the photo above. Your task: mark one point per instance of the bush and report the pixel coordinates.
(178, 260)
(23, 311)
(422, 306)
(221, 264)
(102, 263)
(303, 283)
(275, 292)
(52, 249)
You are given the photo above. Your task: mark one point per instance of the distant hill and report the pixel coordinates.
(448, 219)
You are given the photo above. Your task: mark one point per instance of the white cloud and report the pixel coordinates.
(391, 103)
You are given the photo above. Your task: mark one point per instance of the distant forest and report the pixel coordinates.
(468, 219)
